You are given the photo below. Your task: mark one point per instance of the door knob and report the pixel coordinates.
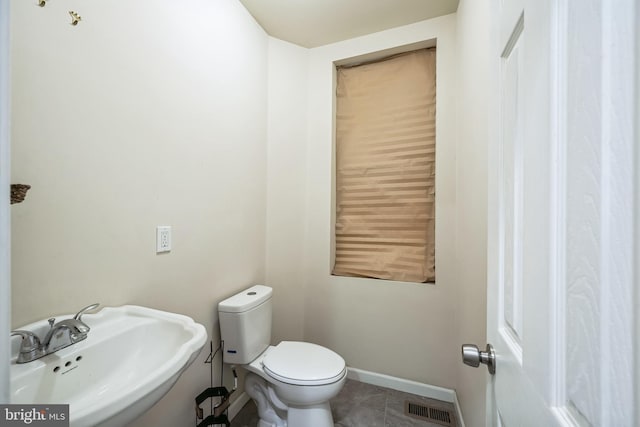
(472, 356)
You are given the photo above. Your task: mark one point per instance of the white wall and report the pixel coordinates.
(474, 56)
(400, 329)
(147, 113)
(286, 186)
(5, 221)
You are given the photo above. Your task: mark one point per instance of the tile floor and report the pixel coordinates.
(361, 405)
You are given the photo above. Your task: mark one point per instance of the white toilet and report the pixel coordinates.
(291, 382)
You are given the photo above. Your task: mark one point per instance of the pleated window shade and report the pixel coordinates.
(385, 168)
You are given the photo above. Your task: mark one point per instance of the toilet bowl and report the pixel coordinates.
(300, 394)
(291, 382)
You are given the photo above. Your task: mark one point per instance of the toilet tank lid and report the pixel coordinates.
(245, 300)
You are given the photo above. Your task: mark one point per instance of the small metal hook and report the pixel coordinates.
(42, 3)
(75, 18)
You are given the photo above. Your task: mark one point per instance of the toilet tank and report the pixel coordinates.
(245, 324)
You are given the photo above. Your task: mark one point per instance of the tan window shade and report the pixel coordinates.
(385, 169)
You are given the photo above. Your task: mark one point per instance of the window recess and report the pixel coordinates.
(385, 168)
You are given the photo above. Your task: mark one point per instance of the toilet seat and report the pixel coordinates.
(303, 363)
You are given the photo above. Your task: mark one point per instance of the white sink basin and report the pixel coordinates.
(130, 359)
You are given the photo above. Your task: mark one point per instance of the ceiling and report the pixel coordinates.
(312, 23)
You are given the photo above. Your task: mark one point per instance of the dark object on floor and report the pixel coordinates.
(218, 416)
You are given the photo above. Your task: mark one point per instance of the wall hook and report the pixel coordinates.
(75, 18)
(42, 3)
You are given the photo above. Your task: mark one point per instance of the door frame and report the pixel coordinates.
(5, 213)
(636, 207)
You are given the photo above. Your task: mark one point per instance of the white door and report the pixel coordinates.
(563, 214)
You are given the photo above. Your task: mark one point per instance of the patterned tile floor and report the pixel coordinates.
(361, 405)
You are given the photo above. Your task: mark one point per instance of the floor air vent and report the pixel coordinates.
(428, 413)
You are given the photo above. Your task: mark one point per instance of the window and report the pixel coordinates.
(385, 168)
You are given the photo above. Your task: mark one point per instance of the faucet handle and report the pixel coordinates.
(79, 314)
(30, 341)
(30, 348)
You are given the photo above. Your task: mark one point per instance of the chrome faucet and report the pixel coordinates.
(60, 335)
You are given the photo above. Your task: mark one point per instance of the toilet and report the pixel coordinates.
(292, 382)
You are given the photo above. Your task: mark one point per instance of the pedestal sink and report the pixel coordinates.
(130, 359)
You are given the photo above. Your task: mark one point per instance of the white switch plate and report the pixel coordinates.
(163, 238)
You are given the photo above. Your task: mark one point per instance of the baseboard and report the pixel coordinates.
(408, 386)
(456, 405)
(238, 404)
